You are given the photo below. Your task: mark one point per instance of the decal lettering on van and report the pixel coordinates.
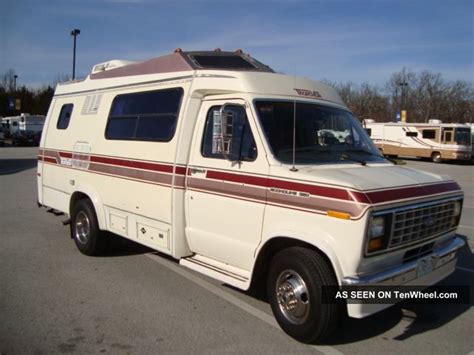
(308, 93)
(289, 192)
(66, 161)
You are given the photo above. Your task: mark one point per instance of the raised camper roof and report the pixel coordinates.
(181, 61)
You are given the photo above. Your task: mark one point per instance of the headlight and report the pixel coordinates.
(377, 227)
(378, 232)
(456, 213)
(457, 208)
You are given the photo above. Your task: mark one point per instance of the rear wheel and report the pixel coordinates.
(89, 239)
(436, 157)
(298, 296)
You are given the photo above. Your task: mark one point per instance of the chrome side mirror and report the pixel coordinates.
(223, 140)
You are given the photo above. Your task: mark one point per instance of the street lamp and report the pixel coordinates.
(74, 33)
(14, 82)
(402, 85)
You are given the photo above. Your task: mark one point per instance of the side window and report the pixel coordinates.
(144, 116)
(65, 116)
(448, 137)
(429, 133)
(242, 135)
(412, 134)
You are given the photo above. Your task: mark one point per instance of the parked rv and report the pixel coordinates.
(246, 175)
(436, 141)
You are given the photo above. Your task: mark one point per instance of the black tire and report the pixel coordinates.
(313, 318)
(89, 239)
(436, 157)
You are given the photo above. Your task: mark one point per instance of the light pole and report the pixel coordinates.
(74, 33)
(14, 82)
(403, 85)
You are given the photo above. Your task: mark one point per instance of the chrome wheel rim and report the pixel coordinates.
(292, 296)
(82, 228)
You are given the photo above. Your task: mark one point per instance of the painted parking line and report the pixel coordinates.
(263, 316)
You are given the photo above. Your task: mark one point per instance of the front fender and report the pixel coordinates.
(318, 239)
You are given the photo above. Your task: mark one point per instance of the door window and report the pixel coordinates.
(243, 139)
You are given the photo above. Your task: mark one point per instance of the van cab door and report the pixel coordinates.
(225, 199)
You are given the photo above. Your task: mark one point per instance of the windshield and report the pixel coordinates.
(323, 134)
(463, 136)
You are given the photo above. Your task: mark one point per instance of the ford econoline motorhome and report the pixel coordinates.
(245, 175)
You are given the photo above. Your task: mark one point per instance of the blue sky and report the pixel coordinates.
(337, 40)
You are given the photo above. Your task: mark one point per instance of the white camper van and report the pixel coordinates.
(437, 141)
(245, 175)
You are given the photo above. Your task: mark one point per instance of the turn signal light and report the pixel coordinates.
(375, 244)
(341, 215)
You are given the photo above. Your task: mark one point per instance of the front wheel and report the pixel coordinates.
(298, 294)
(89, 239)
(436, 157)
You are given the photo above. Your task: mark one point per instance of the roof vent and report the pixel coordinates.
(111, 64)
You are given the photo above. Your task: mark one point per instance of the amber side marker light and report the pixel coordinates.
(336, 214)
(375, 244)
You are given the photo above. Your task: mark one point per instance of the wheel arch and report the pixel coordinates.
(275, 244)
(84, 192)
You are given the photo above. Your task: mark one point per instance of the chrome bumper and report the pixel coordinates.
(406, 273)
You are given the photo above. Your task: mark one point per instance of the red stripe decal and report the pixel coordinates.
(374, 197)
(243, 179)
(50, 160)
(65, 155)
(133, 164)
(359, 197)
(315, 190)
(324, 191)
(411, 192)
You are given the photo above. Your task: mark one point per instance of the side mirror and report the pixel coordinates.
(224, 127)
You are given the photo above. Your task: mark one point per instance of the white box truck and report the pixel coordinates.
(248, 176)
(24, 129)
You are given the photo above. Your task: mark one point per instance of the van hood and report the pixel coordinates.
(370, 177)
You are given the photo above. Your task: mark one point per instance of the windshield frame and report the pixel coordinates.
(344, 158)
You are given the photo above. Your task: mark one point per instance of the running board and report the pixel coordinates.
(228, 274)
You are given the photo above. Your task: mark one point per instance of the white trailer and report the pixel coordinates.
(437, 141)
(248, 176)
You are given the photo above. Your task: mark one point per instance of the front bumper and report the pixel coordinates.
(443, 264)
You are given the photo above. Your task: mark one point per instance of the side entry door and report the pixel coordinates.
(226, 193)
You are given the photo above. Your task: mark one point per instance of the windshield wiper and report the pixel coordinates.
(365, 152)
(348, 158)
(393, 161)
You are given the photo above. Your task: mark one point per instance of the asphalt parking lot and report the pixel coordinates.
(55, 300)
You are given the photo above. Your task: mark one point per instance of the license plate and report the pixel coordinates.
(425, 266)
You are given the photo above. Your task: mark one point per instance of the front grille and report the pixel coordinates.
(418, 223)
(418, 252)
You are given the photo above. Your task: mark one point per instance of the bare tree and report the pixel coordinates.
(7, 80)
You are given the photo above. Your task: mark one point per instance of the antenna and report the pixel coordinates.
(294, 131)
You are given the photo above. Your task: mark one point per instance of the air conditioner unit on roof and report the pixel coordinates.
(111, 64)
